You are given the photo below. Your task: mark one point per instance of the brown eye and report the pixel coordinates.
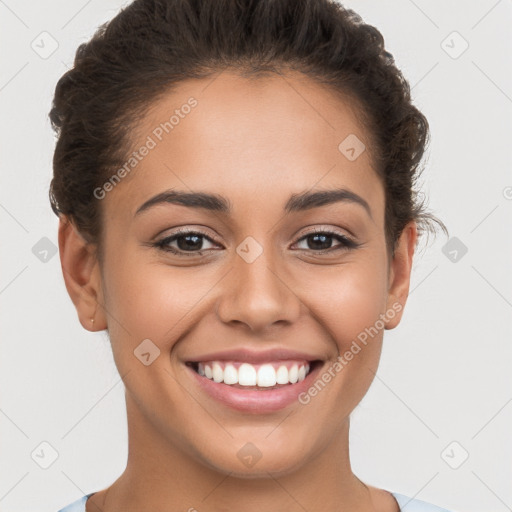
(321, 241)
(191, 242)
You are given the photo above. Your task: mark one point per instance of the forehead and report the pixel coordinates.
(254, 140)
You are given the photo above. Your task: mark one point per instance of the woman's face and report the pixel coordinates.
(256, 285)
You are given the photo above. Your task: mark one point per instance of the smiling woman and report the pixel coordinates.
(271, 230)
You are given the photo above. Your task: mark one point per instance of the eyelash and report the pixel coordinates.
(346, 243)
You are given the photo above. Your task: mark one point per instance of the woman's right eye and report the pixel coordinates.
(187, 242)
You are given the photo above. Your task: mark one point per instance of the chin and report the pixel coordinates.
(260, 466)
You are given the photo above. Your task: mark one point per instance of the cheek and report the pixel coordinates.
(150, 301)
(349, 301)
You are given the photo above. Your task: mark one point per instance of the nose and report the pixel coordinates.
(258, 295)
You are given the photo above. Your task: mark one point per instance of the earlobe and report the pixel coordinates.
(80, 269)
(400, 275)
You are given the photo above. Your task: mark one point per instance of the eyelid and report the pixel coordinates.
(325, 229)
(185, 230)
(195, 230)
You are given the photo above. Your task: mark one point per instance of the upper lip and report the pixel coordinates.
(251, 356)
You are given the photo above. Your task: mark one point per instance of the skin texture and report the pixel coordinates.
(255, 142)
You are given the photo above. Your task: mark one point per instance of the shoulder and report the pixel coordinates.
(414, 505)
(76, 506)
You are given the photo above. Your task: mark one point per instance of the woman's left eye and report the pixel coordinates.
(191, 242)
(323, 238)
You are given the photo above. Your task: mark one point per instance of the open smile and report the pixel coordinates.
(255, 387)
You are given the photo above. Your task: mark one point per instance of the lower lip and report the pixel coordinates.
(255, 401)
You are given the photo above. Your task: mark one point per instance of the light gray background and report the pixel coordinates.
(445, 371)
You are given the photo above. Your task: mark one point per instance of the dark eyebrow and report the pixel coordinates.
(213, 202)
(307, 200)
(210, 202)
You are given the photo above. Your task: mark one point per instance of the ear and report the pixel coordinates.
(400, 274)
(80, 269)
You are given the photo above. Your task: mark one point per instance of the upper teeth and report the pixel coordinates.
(245, 374)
